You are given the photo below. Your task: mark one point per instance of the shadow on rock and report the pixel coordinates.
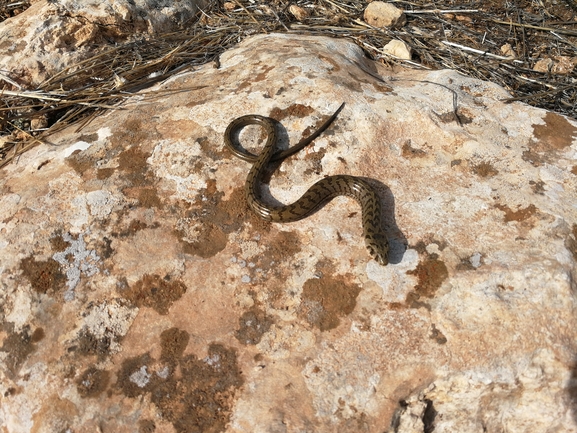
(572, 389)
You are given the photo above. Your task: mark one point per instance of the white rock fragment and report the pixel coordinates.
(508, 51)
(398, 49)
(381, 14)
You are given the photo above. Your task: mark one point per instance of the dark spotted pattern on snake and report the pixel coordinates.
(317, 195)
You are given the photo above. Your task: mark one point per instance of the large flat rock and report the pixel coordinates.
(138, 292)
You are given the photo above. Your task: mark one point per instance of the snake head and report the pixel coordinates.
(378, 247)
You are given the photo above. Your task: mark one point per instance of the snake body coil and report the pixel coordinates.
(317, 195)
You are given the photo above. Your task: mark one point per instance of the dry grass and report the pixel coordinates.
(467, 36)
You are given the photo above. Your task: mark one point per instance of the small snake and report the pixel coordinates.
(317, 195)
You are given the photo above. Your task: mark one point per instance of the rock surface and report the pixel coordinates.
(138, 293)
(50, 36)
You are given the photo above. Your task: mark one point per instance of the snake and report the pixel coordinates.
(317, 195)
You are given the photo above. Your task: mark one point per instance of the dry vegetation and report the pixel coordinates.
(469, 36)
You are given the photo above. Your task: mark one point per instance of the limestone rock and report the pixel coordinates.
(381, 14)
(139, 293)
(50, 36)
(508, 51)
(557, 65)
(399, 49)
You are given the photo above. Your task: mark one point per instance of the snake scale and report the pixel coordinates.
(317, 195)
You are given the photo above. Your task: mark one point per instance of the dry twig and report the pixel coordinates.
(467, 40)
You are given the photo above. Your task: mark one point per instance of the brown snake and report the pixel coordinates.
(317, 195)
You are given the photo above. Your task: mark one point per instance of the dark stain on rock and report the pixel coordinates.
(537, 187)
(326, 299)
(356, 81)
(519, 214)
(37, 335)
(11, 392)
(236, 214)
(133, 132)
(280, 247)
(104, 173)
(133, 162)
(197, 396)
(106, 250)
(437, 335)
(295, 110)
(574, 170)
(459, 117)
(533, 158)
(216, 219)
(201, 400)
(44, 275)
(92, 382)
(336, 67)
(137, 171)
(316, 159)
(88, 344)
(80, 161)
(209, 243)
(410, 152)
(173, 342)
(253, 324)
(243, 85)
(571, 242)
(309, 130)
(556, 134)
(146, 426)
(431, 273)
(553, 137)
(484, 169)
(381, 88)
(211, 151)
(421, 246)
(134, 378)
(134, 227)
(155, 292)
(18, 346)
(261, 76)
(211, 221)
(88, 138)
(465, 265)
(147, 197)
(58, 243)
